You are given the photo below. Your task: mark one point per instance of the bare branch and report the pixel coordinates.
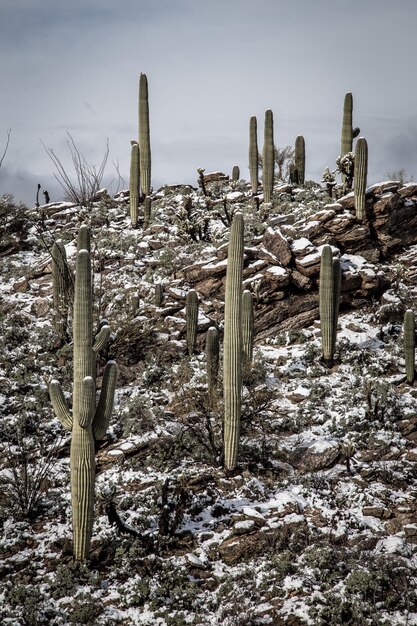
(9, 132)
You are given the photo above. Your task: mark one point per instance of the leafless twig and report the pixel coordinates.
(9, 132)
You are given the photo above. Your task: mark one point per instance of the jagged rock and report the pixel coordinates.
(381, 512)
(21, 285)
(315, 455)
(275, 242)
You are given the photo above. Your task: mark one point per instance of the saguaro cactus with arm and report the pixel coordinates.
(87, 422)
(232, 359)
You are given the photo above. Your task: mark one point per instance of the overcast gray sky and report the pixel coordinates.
(73, 66)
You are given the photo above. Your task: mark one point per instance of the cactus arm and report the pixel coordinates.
(101, 339)
(87, 402)
(105, 404)
(60, 405)
(232, 377)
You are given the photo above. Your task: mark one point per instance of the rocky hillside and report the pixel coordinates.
(318, 523)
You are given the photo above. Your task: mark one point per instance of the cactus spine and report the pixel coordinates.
(300, 159)
(253, 154)
(61, 286)
(360, 176)
(144, 136)
(87, 422)
(329, 296)
(232, 360)
(268, 156)
(409, 345)
(191, 311)
(212, 357)
(134, 184)
(247, 330)
(235, 173)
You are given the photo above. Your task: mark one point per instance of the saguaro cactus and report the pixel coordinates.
(144, 136)
(60, 287)
(409, 345)
(134, 184)
(268, 156)
(232, 360)
(235, 173)
(147, 209)
(329, 294)
(247, 330)
(253, 155)
(300, 159)
(87, 422)
(191, 311)
(159, 294)
(348, 132)
(360, 176)
(212, 357)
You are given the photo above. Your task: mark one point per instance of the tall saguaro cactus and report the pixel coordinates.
(348, 132)
(360, 177)
(232, 359)
(300, 159)
(144, 136)
(253, 155)
(134, 184)
(329, 295)
(409, 345)
(191, 311)
(268, 156)
(87, 422)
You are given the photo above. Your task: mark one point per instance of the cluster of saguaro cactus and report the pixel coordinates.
(268, 156)
(235, 173)
(212, 358)
(87, 422)
(409, 345)
(253, 155)
(300, 159)
(134, 184)
(329, 296)
(247, 331)
(61, 283)
(144, 136)
(191, 316)
(232, 359)
(360, 177)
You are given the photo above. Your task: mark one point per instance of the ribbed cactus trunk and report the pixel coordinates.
(247, 331)
(409, 345)
(60, 289)
(360, 177)
(212, 358)
(134, 184)
(268, 156)
(191, 314)
(144, 136)
(348, 132)
(147, 210)
(86, 423)
(329, 296)
(159, 294)
(300, 159)
(232, 359)
(253, 155)
(235, 173)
